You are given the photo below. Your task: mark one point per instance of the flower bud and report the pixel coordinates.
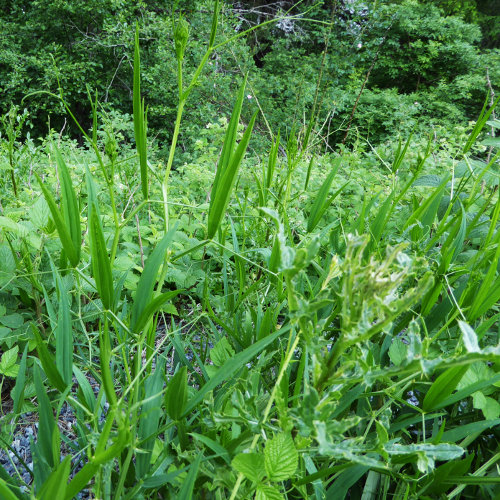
(181, 35)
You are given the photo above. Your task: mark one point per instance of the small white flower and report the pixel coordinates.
(249, 96)
(360, 45)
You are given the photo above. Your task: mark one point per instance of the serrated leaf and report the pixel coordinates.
(9, 359)
(251, 465)
(221, 352)
(280, 457)
(398, 351)
(266, 492)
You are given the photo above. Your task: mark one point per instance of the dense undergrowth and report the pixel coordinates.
(287, 326)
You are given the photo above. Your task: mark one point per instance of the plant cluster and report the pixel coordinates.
(291, 325)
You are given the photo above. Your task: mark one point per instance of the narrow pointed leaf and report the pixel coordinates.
(69, 207)
(139, 117)
(443, 386)
(222, 194)
(62, 228)
(145, 288)
(101, 266)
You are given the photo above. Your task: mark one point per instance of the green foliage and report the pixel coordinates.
(273, 321)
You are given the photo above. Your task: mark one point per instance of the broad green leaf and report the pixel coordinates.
(461, 394)
(489, 406)
(443, 386)
(280, 457)
(266, 492)
(176, 394)
(251, 465)
(8, 366)
(430, 180)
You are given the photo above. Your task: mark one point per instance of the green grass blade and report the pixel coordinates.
(422, 209)
(48, 363)
(221, 195)
(55, 486)
(186, 492)
(62, 228)
(46, 422)
(69, 207)
(176, 394)
(152, 307)
(101, 265)
(380, 221)
(215, 18)
(145, 287)
(139, 117)
(481, 122)
(229, 138)
(5, 492)
(322, 202)
(150, 417)
(271, 164)
(64, 335)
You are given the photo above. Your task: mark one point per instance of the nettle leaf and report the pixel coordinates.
(8, 366)
(280, 457)
(221, 352)
(265, 492)
(251, 465)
